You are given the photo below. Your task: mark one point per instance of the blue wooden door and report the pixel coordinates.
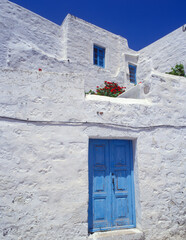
(111, 190)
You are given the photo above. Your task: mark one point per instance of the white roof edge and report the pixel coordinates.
(25, 9)
(161, 38)
(69, 15)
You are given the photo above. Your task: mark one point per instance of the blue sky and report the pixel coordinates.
(140, 21)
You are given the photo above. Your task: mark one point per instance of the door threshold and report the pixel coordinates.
(124, 234)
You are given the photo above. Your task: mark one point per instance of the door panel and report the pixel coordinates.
(121, 181)
(110, 185)
(120, 167)
(99, 190)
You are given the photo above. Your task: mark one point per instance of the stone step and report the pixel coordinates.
(124, 234)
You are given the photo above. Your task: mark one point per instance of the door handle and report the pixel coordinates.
(113, 183)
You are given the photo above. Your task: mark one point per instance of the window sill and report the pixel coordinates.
(124, 234)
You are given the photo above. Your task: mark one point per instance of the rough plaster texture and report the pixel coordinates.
(29, 42)
(163, 54)
(45, 125)
(26, 37)
(46, 122)
(81, 38)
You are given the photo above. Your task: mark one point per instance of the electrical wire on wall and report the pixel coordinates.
(86, 123)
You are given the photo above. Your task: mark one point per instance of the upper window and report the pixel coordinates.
(99, 56)
(132, 73)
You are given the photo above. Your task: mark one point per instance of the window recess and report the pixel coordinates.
(99, 56)
(132, 73)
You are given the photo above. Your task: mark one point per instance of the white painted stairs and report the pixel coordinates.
(126, 234)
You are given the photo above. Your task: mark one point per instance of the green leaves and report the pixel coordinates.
(178, 70)
(90, 92)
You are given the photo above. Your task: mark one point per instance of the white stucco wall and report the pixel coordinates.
(45, 124)
(83, 35)
(30, 42)
(163, 54)
(81, 38)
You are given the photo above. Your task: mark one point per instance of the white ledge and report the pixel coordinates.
(100, 98)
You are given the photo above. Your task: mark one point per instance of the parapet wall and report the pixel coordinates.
(33, 94)
(41, 96)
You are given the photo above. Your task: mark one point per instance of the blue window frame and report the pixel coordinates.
(132, 73)
(99, 56)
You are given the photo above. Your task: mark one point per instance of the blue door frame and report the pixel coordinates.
(111, 185)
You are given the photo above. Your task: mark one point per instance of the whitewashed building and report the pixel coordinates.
(76, 166)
